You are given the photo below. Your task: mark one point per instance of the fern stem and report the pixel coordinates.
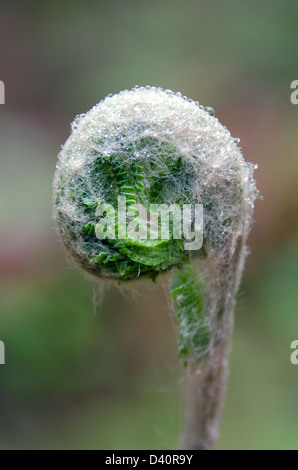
(206, 383)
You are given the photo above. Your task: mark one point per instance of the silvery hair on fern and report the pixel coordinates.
(153, 147)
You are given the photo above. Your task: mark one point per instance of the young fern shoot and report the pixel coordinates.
(126, 161)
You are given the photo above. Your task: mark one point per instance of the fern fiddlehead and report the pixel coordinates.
(157, 149)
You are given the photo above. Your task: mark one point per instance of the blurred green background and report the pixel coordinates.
(88, 369)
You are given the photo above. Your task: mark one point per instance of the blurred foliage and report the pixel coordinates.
(104, 373)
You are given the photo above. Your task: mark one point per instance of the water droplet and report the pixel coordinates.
(256, 166)
(209, 110)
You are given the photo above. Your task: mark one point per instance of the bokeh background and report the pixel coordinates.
(88, 369)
